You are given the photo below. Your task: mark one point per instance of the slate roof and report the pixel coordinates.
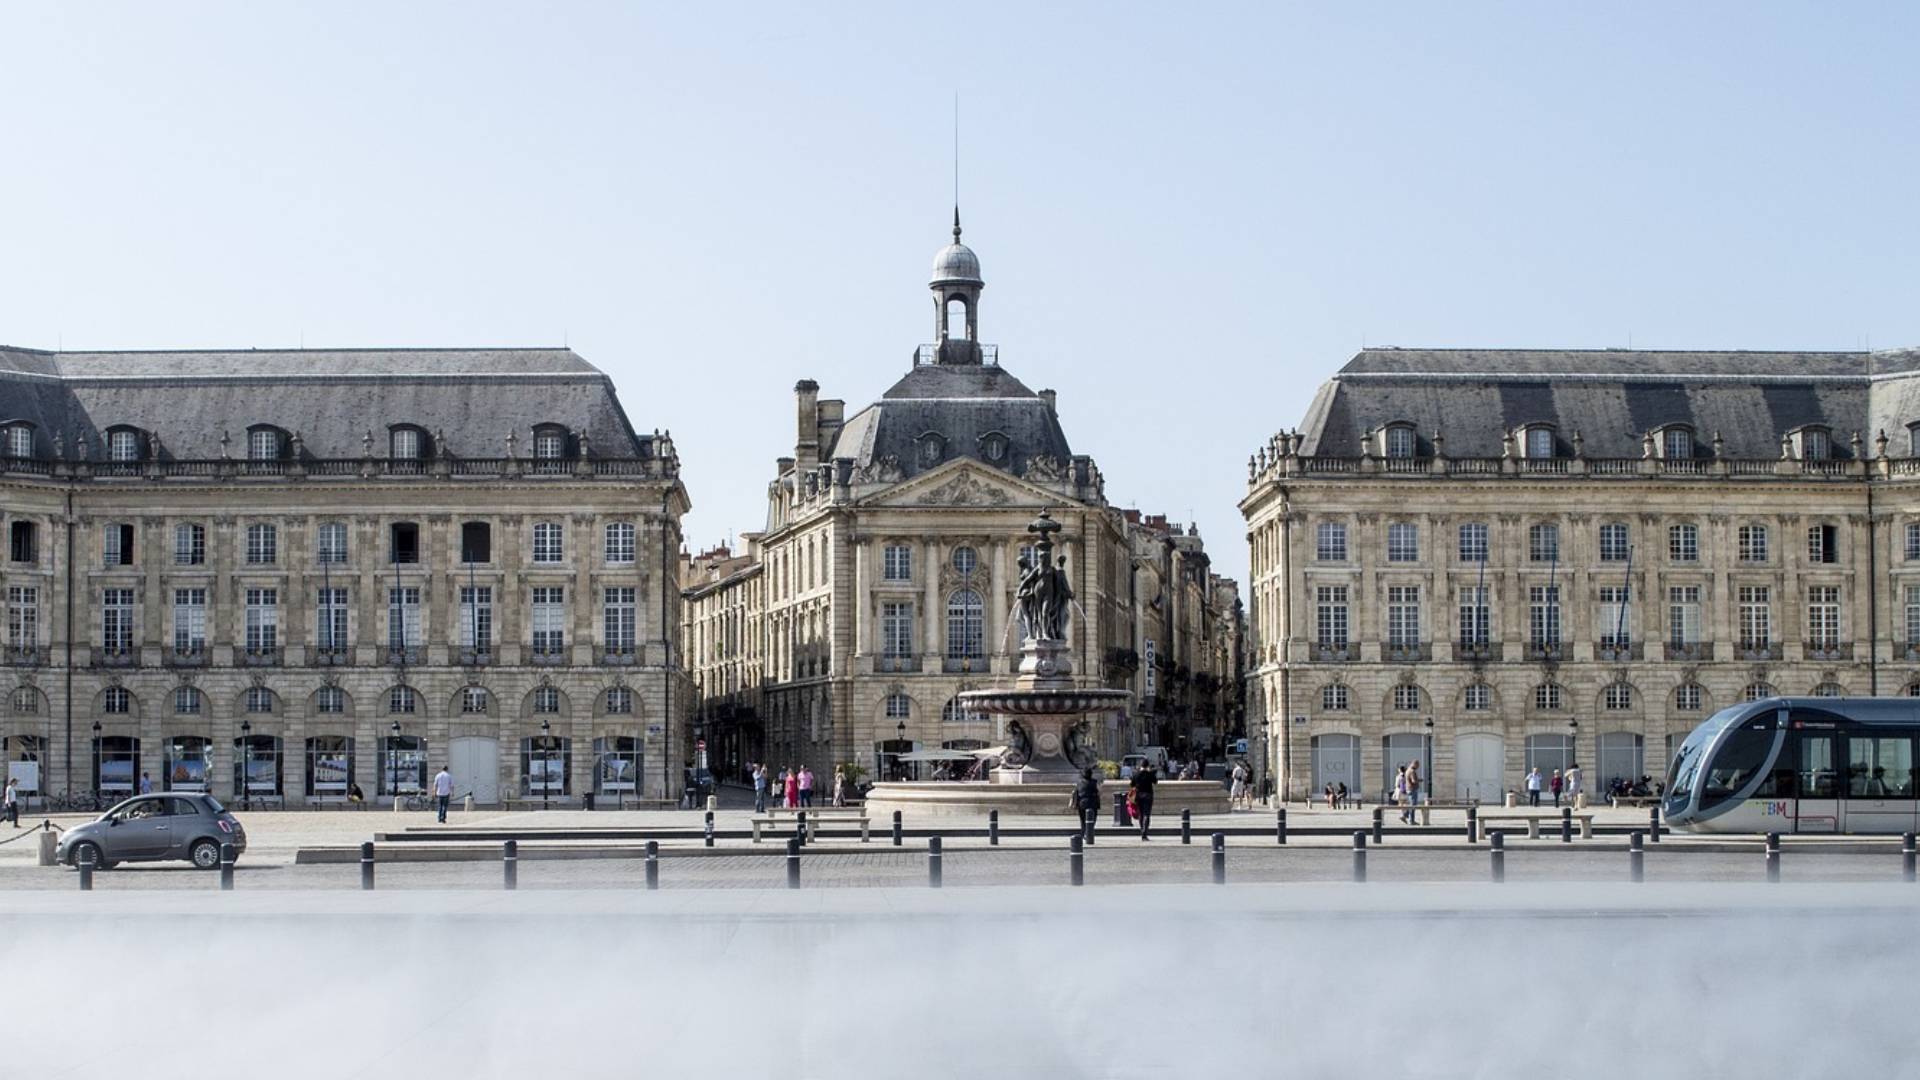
(332, 397)
(960, 402)
(1613, 397)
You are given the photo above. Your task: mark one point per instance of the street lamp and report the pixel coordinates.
(1431, 788)
(393, 762)
(546, 763)
(96, 757)
(246, 757)
(1573, 751)
(1266, 760)
(899, 736)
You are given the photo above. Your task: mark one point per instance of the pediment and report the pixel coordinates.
(964, 483)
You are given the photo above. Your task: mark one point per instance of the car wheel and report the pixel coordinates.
(205, 854)
(87, 850)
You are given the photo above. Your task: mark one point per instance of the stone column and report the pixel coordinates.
(930, 601)
(862, 599)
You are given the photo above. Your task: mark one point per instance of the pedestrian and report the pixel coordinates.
(790, 787)
(1533, 787)
(1329, 794)
(146, 784)
(1340, 793)
(1413, 789)
(839, 785)
(1554, 785)
(442, 792)
(1086, 796)
(759, 787)
(1400, 795)
(1141, 788)
(1238, 792)
(10, 799)
(806, 786)
(1573, 784)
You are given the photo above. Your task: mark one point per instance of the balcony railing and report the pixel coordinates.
(1703, 468)
(1689, 650)
(203, 469)
(408, 654)
(194, 655)
(1476, 650)
(1331, 652)
(261, 656)
(1756, 650)
(115, 656)
(1829, 650)
(330, 656)
(1616, 652)
(1546, 650)
(897, 663)
(476, 657)
(551, 653)
(617, 655)
(1406, 653)
(963, 664)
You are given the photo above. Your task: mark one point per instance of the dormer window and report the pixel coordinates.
(1539, 442)
(123, 444)
(1676, 443)
(1815, 443)
(263, 444)
(932, 448)
(993, 447)
(1913, 439)
(1400, 441)
(19, 440)
(406, 443)
(549, 443)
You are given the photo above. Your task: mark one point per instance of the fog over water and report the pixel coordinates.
(1378, 981)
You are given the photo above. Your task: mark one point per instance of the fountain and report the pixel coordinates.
(1043, 717)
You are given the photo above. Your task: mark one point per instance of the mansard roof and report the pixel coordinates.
(959, 404)
(471, 398)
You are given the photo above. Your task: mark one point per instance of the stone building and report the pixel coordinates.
(1509, 559)
(724, 610)
(1186, 659)
(322, 570)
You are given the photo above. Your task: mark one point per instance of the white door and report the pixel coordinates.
(1477, 760)
(474, 761)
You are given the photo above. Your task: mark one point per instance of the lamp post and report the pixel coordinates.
(1266, 760)
(96, 758)
(546, 762)
(899, 736)
(1573, 748)
(246, 757)
(393, 761)
(1431, 786)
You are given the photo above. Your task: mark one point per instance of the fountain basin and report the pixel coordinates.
(952, 798)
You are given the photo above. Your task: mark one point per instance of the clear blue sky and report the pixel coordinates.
(1188, 216)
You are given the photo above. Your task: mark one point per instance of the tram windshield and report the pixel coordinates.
(1738, 760)
(1685, 769)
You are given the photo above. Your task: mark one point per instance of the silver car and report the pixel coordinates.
(177, 825)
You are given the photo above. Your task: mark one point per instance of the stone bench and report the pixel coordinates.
(1489, 820)
(816, 815)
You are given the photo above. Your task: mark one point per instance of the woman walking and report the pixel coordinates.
(790, 787)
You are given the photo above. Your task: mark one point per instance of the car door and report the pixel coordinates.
(1879, 792)
(185, 824)
(140, 830)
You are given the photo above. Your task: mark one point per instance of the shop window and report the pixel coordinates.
(403, 765)
(259, 758)
(617, 765)
(114, 760)
(330, 765)
(188, 763)
(545, 766)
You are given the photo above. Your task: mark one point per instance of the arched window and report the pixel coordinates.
(264, 444)
(953, 712)
(957, 318)
(1614, 542)
(549, 442)
(964, 560)
(899, 707)
(1539, 441)
(116, 700)
(1676, 443)
(123, 444)
(473, 699)
(1829, 689)
(406, 443)
(1401, 442)
(1478, 698)
(330, 699)
(186, 700)
(1617, 696)
(966, 627)
(19, 439)
(1549, 696)
(619, 701)
(401, 700)
(259, 699)
(1756, 691)
(546, 699)
(1688, 697)
(1334, 697)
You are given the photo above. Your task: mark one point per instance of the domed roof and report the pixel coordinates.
(956, 263)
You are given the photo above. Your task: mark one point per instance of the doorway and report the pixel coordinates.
(474, 761)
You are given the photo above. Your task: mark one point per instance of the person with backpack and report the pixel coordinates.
(1140, 796)
(1086, 796)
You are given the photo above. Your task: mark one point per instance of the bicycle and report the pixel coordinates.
(83, 801)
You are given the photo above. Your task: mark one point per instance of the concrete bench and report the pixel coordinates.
(1489, 820)
(1634, 800)
(816, 816)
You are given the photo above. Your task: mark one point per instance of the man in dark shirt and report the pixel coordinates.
(1142, 785)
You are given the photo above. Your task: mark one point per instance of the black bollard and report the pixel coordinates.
(993, 828)
(1379, 832)
(1280, 826)
(1186, 826)
(793, 863)
(1086, 827)
(1636, 857)
(896, 828)
(366, 865)
(800, 827)
(709, 828)
(227, 856)
(653, 864)
(933, 862)
(1773, 856)
(1120, 818)
(1566, 824)
(86, 871)
(1076, 865)
(1907, 853)
(1497, 841)
(1473, 824)
(510, 865)
(1653, 823)
(1359, 856)
(1219, 858)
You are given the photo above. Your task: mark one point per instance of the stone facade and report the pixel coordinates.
(1657, 535)
(506, 594)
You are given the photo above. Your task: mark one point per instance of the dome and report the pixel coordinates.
(956, 263)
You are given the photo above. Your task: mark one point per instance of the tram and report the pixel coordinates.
(1799, 765)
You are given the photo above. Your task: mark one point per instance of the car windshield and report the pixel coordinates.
(214, 804)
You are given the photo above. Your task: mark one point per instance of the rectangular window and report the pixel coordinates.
(1476, 624)
(1687, 698)
(1403, 616)
(189, 620)
(117, 545)
(331, 628)
(1823, 544)
(1756, 617)
(263, 620)
(1823, 616)
(1613, 542)
(1539, 442)
(1753, 543)
(898, 563)
(263, 545)
(23, 616)
(476, 542)
(1473, 542)
(1613, 630)
(1331, 617)
(1406, 698)
(1683, 543)
(189, 545)
(263, 445)
(403, 616)
(1403, 542)
(549, 620)
(548, 546)
(1913, 616)
(1543, 617)
(1683, 615)
(404, 543)
(1913, 534)
(116, 620)
(619, 619)
(620, 543)
(23, 546)
(1678, 444)
(1400, 442)
(1479, 697)
(896, 630)
(1334, 697)
(330, 544)
(1543, 544)
(476, 617)
(1330, 542)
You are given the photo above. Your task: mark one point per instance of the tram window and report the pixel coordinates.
(1779, 781)
(1880, 767)
(1736, 761)
(1817, 777)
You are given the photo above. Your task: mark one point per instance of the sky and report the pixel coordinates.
(1188, 216)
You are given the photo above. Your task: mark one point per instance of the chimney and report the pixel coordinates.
(1048, 397)
(806, 443)
(833, 416)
